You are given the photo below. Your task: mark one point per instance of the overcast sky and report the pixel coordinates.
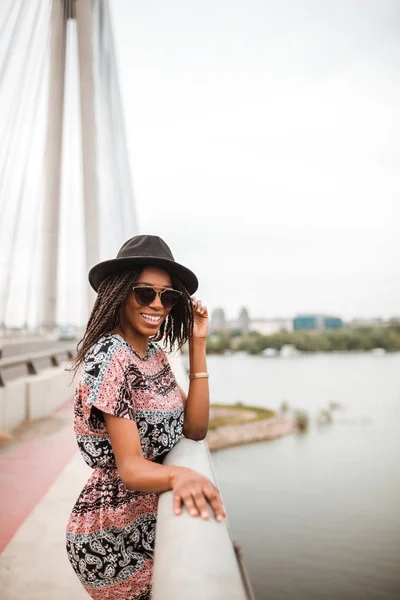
(265, 147)
(264, 142)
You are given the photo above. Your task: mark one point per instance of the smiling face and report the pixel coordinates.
(145, 321)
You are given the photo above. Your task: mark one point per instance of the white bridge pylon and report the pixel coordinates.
(70, 59)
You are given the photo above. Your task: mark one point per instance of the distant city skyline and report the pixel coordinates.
(258, 317)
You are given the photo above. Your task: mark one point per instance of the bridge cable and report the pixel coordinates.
(32, 108)
(124, 178)
(13, 41)
(8, 15)
(10, 135)
(114, 147)
(23, 184)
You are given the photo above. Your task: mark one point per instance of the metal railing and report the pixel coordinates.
(29, 359)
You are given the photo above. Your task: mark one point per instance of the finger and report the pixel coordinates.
(189, 503)
(177, 504)
(203, 310)
(201, 504)
(212, 494)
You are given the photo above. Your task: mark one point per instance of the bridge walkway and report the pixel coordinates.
(42, 475)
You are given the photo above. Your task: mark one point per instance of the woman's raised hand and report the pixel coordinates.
(193, 490)
(200, 319)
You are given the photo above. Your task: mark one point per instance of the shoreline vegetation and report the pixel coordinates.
(239, 424)
(384, 339)
(234, 425)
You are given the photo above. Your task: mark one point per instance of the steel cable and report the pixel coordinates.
(118, 128)
(23, 184)
(8, 16)
(130, 216)
(114, 147)
(11, 135)
(29, 114)
(21, 15)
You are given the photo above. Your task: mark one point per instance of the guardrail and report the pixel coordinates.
(193, 558)
(37, 392)
(30, 358)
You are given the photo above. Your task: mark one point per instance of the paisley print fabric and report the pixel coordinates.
(111, 530)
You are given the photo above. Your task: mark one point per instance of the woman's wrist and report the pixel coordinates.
(197, 340)
(172, 475)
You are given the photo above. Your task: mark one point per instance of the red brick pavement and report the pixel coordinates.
(28, 469)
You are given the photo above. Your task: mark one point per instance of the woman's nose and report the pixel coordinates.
(157, 302)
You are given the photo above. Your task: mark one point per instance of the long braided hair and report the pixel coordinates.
(175, 330)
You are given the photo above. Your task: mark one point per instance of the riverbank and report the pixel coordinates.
(236, 425)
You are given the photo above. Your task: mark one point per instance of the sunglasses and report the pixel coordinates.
(146, 295)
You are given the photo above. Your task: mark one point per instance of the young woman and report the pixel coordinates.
(130, 412)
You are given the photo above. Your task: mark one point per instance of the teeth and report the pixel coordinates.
(151, 318)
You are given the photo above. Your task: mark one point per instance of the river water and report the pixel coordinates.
(317, 514)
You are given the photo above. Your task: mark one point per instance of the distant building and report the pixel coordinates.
(312, 322)
(270, 326)
(218, 320)
(243, 323)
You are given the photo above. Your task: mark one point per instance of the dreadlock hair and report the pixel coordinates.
(178, 326)
(113, 291)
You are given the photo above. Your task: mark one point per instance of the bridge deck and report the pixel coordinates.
(42, 475)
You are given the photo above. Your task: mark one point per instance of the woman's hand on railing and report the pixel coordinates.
(193, 490)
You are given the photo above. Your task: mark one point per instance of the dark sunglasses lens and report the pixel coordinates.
(145, 296)
(169, 298)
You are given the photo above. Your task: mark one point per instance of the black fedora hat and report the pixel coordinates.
(139, 251)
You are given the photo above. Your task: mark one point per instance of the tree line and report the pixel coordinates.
(342, 340)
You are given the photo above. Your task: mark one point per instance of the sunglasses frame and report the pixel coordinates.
(158, 293)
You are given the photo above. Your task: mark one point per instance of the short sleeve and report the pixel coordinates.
(105, 375)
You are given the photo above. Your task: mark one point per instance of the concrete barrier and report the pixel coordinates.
(194, 558)
(47, 391)
(13, 404)
(34, 397)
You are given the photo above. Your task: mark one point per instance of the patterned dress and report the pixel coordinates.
(111, 530)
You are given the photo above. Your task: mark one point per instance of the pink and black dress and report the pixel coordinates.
(111, 530)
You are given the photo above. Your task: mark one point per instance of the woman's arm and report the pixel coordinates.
(137, 473)
(197, 404)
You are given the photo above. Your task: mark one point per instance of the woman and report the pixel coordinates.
(129, 412)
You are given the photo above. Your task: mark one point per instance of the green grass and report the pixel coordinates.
(302, 420)
(236, 418)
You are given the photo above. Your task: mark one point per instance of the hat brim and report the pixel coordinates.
(99, 272)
